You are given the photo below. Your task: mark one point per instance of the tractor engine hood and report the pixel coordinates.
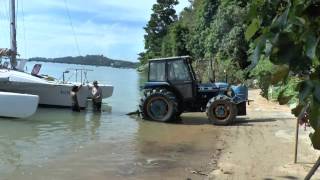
(221, 85)
(213, 86)
(239, 92)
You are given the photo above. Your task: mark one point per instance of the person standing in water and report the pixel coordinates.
(96, 96)
(74, 98)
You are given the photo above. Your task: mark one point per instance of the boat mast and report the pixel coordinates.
(13, 34)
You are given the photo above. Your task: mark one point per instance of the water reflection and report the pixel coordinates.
(45, 136)
(10, 141)
(95, 123)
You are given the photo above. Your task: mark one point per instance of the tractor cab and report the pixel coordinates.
(175, 74)
(172, 89)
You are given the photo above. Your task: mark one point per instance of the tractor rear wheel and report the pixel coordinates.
(221, 111)
(158, 105)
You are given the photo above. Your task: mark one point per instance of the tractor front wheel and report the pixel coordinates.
(159, 105)
(221, 111)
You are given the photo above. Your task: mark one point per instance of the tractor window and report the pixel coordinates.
(157, 71)
(178, 71)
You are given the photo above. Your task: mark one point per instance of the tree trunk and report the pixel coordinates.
(211, 71)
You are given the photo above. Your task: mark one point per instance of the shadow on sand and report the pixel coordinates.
(238, 122)
(252, 122)
(198, 119)
(283, 177)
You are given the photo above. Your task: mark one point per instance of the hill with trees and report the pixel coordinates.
(94, 60)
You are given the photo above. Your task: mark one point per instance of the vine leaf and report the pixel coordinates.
(252, 29)
(281, 22)
(315, 139)
(299, 21)
(306, 88)
(260, 45)
(281, 72)
(316, 92)
(314, 114)
(311, 46)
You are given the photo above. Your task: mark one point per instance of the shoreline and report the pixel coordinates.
(84, 64)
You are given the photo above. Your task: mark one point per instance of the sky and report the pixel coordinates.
(113, 28)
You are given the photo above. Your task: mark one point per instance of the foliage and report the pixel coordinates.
(292, 39)
(263, 73)
(162, 17)
(226, 34)
(203, 13)
(174, 43)
(228, 71)
(285, 93)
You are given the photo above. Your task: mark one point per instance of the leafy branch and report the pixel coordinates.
(291, 39)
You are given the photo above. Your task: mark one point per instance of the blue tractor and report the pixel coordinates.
(172, 89)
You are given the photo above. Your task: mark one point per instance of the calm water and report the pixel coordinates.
(59, 144)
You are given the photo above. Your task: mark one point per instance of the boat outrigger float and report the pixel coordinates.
(15, 105)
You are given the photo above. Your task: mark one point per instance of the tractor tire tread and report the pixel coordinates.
(224, 99)
(158, 92)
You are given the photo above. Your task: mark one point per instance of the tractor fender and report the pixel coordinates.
(164, 85)
(240, 94)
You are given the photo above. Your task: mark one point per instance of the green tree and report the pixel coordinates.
(226, 34)
(174, 43)
(203, 15)
(162, 17)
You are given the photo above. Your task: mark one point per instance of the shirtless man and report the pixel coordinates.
(96, 96)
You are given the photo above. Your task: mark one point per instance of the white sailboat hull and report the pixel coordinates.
(54, 94)
(16, 105)
(50, 93)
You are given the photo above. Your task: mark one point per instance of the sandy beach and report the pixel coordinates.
(261, 146)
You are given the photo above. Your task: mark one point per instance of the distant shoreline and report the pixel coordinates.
(81, 64)
(91, 60)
